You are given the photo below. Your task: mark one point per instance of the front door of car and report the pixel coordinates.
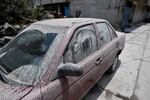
(107, 45)
(82, 50)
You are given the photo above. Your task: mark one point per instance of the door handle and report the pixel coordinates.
(98, 60)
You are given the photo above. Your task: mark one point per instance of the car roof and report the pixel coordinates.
(67, 22)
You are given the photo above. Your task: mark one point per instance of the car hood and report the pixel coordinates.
(9, 92)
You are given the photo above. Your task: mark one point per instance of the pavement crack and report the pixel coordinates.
(118, 95)
(122, 97)
(115, 94)
(146, 61)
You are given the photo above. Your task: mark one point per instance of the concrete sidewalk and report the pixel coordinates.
(132, 79)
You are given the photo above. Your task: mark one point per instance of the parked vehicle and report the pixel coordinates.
(59, 59)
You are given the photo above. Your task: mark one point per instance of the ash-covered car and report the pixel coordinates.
(59, 59)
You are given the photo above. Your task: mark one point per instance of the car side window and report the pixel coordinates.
(103, 33)
(113, 34)
(81, 45)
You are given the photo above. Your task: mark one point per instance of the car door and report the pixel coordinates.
(107, 44)
(82, 50)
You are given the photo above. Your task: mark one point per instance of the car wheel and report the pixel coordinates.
(113, 66)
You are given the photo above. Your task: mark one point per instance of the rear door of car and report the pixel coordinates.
(107, 44)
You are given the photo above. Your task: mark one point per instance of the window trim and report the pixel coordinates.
(75, 29)
(110, 32)
(108, 25)
(98, 33)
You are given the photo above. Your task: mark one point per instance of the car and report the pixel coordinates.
(58, 59)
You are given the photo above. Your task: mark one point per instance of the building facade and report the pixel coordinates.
(115, 11)
(60, 6)
(112, 10)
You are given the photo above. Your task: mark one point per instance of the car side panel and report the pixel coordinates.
(35, 94)
(60, 86)
(109, 53)
(84, 82)
(73, 88)
(70, 87)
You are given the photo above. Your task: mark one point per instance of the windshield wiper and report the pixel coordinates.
(3, 70)
(4, 79)
(3, 74)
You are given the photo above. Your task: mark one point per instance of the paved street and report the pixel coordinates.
(132, 79)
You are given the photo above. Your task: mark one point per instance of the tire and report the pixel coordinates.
(113, 66)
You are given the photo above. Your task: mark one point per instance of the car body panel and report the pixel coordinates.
(87, 66)
(9, 92)
(121, 40)
(35, 94)
(69, 87)
(75, 87)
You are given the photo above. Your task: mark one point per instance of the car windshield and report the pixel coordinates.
(25, 58)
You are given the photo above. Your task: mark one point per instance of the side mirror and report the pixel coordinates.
(69, 69)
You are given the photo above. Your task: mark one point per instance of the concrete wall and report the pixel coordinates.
(110, 10)
(139, 14)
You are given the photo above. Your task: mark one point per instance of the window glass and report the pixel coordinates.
(113, 34)
(27, 56)
(82, 44)
(104, 35)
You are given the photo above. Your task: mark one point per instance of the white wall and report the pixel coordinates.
(139, 14)
(105, 9)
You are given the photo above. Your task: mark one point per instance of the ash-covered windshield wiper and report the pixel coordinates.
(3, 70)
(2, 74)
(5, 78)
